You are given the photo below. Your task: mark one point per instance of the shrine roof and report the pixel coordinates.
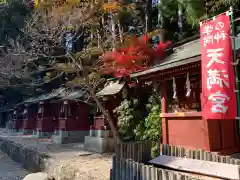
(182, 55)
(57, 93)
(111, 89)
(7, 108)
(76, 95)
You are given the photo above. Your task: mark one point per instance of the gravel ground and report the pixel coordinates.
(68, 161)
(82, 167)
(9, 170)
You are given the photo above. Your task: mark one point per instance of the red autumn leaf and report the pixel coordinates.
(135, 57)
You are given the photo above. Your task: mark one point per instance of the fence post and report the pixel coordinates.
(139, 151)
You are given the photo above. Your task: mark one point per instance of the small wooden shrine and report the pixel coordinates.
(47, 115)
(30, 116)
(111, 98)
(179, 80)
(73, 119)
(18, 118)
(74, 113)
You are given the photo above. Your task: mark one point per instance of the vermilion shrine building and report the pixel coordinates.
(182, 122)
(59, 115)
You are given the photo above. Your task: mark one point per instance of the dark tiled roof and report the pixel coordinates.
(57, 93)
(76, 95)
(8, 108)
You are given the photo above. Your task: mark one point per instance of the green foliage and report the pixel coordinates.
(12, 19)
(133, 125)
(153, 123)
(128, 118)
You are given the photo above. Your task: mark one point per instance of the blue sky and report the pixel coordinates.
(154, 2)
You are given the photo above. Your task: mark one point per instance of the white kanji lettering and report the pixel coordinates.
(208, 40)
(218, 102)
(207, 30)
(214, 54)
(217, 77)
(220, 36)
(219, 26)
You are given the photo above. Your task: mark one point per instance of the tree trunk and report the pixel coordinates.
(113, 31)
(106, 113)
(180, 21)
(149, 16)
(160, 22)
(99, 104)
(120, 31)
(98, 39)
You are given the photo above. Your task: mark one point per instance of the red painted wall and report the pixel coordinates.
(188, 133)
(99, 122)
(49, 121)
(79, 119)
(195, 133)
(30, 119)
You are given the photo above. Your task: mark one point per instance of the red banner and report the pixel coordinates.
(218, 81)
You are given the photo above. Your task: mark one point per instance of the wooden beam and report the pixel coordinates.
(207, 168)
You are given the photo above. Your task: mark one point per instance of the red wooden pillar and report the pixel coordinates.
(46, 119)
(73, 121)
(29, 118)
(14, 120)
(40, 116)
(164, 110)
(63, 116)
(74, 116)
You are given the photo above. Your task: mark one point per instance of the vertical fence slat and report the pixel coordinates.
(164, 175)
(148, 172)
(228, 159)
(164, 149)
(127, 169)
(201, 154)
(137, 151)
(131, 170)
(153, 175)
(117, 176)
(137, 171)
(182, 152)
(160, 174)
(121, 170)
(141, 169)
(173, 151)
(113, 168)
(127, 164)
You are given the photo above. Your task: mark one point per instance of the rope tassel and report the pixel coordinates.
(188, 86)
(174, 89)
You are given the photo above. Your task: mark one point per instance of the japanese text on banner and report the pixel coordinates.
(218, 97)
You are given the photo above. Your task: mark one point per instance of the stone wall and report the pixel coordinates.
(30, 159)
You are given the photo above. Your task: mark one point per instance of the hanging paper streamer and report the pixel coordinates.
(174, 89)
(188, 86)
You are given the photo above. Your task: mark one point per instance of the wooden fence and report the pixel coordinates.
(126, 169)
(139, 151)
(170, 150)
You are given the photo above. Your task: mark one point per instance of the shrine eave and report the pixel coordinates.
(76, 95)
(7, 108)
(182, 55)
(111, 89)
(57, 93)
